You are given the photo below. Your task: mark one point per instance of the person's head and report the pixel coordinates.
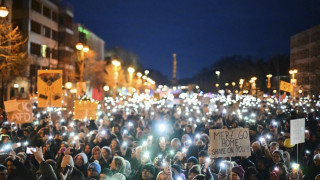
(192, 161)
(22, 156)
(193, 171)
(316, 151)
(148, 172)
(106, 152)
(118, 164)
(185, 138)
(202, 156)
(188, 129)
(281, 169)
(3, 172)
(255, 147)
(316, 160)
(162, 176)
(96, 153)
(87, 149)
(116, 129)
(67, 161)
(274, 146)
(277, 156)
(175, 144)
(10, 166)
(94, 170)
(114, 143)
(80, 159)
(237, 173)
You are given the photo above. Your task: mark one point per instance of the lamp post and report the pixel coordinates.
(233, 86)
(269, 76)
(3, 10)
(293, 81)
(241, 81)
(253, 85)
(82, 50)
(116, 66)
(131, 71)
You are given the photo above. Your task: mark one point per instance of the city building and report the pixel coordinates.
(305, 57)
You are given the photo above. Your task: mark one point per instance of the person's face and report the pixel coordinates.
(316, 152)
(235, 176)
(104, 153)
(3, 175)
(280, 142)
(192, 175)
(276, 157)
(200, 143)
(316, 162)
(79, 161)
(254, 147)
(146, 175)
(87, 149)
(201, 160)
(92, 173)
(97, 155)
(163, 176)
(116, 130)
(188, 130)
(273, 148)
(113, 165)
(10, 167)
(113, 144)
(190, 164)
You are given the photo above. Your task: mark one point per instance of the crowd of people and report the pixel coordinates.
(136, 138)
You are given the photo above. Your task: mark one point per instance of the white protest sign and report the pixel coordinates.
(229, 142)
(10, 106)
(23, 113)
(297, 130)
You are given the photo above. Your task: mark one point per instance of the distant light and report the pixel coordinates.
(3, 11)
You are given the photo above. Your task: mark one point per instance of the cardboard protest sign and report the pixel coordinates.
(23, 112)
(285, 86)
(10, 106)
(49, 88)
(229, 142)
(85, 110)
(297, 130)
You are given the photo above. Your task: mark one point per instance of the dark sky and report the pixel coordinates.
(199, 31)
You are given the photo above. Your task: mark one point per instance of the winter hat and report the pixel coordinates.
(22, 155)
(238, 170)
(95, 166)
(203, 153)
(97, 148)
(195, 169)
(149, 167)
(67, 160)
(280, 152)
(193, 160)
(52, 163)
(84, 157)
(177, 168)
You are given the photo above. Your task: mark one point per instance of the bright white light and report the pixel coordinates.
(130, 124)
(26, 143)
(72, 134)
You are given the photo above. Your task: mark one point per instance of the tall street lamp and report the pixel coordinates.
(3, 10)
(293, 80)
(82, 50)
(116, 67)
(131, 71)
(241, 81)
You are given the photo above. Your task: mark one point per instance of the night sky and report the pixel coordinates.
(199, 31)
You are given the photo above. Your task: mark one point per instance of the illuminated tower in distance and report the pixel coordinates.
(174, 71)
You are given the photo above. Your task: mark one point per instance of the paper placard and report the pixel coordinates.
(10, 106)
(49, 88)
(285, 86)
(85, 110)
(297, 130)
(229, 142)
(23, 112)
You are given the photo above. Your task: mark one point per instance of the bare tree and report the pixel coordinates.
(13, 57)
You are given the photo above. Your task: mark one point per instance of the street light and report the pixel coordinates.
(131, 71)
(218, 73)
(293, 80)
(3, 10)
(269, 83)
(106, 88)
(116, 64)
(146, 72)
(68, 85)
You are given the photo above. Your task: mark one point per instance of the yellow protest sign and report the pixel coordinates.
(285, 86)
(49, 88)
(22, 113)
(85, 110)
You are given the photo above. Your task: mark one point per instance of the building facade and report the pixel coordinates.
(305, 57)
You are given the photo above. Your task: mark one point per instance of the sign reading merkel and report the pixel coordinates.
(229, 142)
